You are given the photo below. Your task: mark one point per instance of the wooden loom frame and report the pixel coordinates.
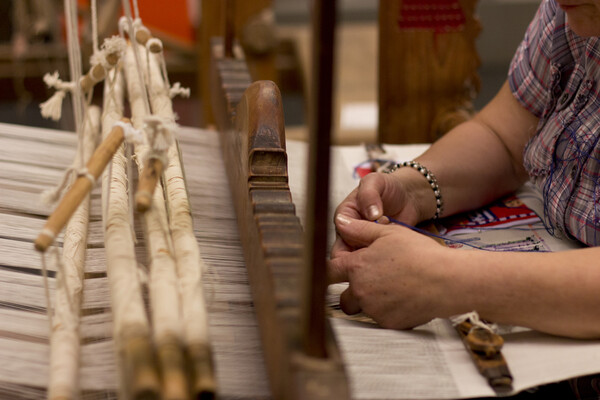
(250, 120)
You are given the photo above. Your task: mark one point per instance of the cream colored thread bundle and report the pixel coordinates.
(64, 340)
(129, 314)
(190, 266)
(163, 285)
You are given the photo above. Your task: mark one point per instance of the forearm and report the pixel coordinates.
(481, 159)
(555, 293)
(472, 167)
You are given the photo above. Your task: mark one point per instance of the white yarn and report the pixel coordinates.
(160, 132)
(163, 283)
(140, 73)
(65, 341)
(475, 320)
(136, 9)
(123, 26)
(50, 196)
(94, 17)
(177, 90)
(190, 265)
(154, 42)
(129, 313)
(132, 135)
(52, 108)
(53, 81)
(70, 7)
(114, 44)
(83, 172)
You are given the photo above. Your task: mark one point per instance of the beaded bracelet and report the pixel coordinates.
(439, 204)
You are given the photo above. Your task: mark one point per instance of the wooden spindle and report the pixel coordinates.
(80, 188)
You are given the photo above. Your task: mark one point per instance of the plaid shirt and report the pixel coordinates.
(554, 75)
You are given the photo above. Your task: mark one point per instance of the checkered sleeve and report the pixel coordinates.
(530, 70)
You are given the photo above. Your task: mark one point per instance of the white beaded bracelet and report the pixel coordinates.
(439, 204)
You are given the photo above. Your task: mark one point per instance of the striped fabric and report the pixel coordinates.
(554, 75)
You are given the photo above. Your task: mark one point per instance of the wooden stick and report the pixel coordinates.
(173, 369)
(484, 348)
(153, 169)
(315, 281)
(203, 380)
(96, 74)
(143, 36)
(80, 188)
(140, 368)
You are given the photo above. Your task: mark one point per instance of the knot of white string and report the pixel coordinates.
(160, 133)
(131, 135)
(178, 90)
(52, 108)
(111, 51)
(475, 320)
(84, 172)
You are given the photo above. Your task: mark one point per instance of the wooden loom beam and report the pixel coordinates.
(250, 119)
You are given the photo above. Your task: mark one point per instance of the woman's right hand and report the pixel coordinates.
(378, 195)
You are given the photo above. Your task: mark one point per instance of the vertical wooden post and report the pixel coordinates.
(427, 68)
(229, 27)
(317, 218)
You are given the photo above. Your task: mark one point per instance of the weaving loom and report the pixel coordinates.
(174, 359)
(155, 350)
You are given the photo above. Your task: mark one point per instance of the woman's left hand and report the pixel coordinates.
(397, 276)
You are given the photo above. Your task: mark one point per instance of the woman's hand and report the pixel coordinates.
(379, 194)
(396, 275)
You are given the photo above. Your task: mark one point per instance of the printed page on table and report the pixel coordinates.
(512, 223)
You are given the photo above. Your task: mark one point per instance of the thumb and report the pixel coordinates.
(368, 196)
(358, 232)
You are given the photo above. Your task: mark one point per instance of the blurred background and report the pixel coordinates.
(32, 42)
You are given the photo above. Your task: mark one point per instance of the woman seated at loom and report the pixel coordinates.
(543, 125)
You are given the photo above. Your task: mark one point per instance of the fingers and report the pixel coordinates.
(349, 303)
(340, 248)
(358, 233)
(365, 201)
(368, 196)
(337, 270)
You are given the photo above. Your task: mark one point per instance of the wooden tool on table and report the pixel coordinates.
(483, 344)
(484, 347)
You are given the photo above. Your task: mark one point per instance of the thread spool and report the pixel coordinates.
(154, 45)
(142, 35)
(112, 59)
